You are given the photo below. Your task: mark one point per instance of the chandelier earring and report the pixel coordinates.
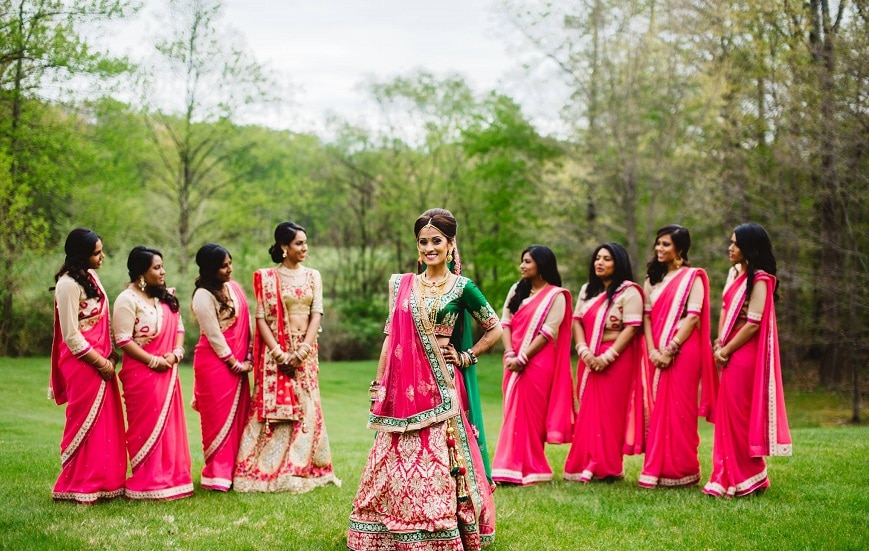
(678, 262)
(285, 254)
(450, 256)
(419, 258)
(142, 283)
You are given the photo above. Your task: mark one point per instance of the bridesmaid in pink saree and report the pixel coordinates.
(149, 330)
(538, 404)
(751, 420)
(612, 380)
(679, 343)
(92, 452)
(424, 486)
(221, 361)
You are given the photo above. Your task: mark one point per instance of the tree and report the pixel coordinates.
(197, 140)
(41, 42)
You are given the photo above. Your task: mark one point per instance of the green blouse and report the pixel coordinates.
(463, 295)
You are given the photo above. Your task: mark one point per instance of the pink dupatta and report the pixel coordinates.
(665, 316)
(274, 399)
(768, 426)
(417, 389)
(526, 324)
(639, 403)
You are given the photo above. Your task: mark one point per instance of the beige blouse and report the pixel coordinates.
(550, 326)
(301, 292)
(76, 312)
(626, 308)
(135, 318)
(212, 321)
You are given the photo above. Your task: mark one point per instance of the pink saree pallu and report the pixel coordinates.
(751, 421)
(424, 486)
(673, 439)
(612, 404)
(538, 403)
(156, 430)
(92, 451)
(222, 398)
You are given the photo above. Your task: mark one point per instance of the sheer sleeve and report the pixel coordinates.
(124, 318)
(757, 301)
(317, 303)
(695, 298)
(67, 293)
(632, 307)
(580, 302)
(647, 291)
(205, 309)
(553, 319)
(506, 314)
(478, 306)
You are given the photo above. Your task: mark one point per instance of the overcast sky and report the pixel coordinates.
(326, 48)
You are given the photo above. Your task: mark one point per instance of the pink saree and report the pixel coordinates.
(156, 429)
(222, 397)
(673, 439)
(538, 403)
(613, 404)
(92, 452)
(751, 421)
(424, 486)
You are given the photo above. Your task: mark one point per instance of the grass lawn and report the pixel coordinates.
(819, 498)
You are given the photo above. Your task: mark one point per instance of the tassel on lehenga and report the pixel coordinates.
(457, 462)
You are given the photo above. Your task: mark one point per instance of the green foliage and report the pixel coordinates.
(828, 513)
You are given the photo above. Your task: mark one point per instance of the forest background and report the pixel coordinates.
(698, 112)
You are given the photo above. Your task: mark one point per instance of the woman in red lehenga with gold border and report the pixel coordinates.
(612, 379)
(221, 361)
(751, 420)
(678, 338)
(148, 328)
(92, 451)
(285, 447)
(424, 486)
(537, 385)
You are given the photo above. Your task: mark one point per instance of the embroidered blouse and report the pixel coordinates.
(549, 328)
(626, 308)
(138, 319)
(463, 295)
(301, 292)
(212, 320)
(76, 312)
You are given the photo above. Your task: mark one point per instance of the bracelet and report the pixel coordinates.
(373, 390)
(238, 367)
(154, 361)
(509, 353)
(472, 358)
(522, 359)
(580, 348)
(179, 353)
(249, 356)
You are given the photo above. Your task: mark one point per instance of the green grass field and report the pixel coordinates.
(819, 498)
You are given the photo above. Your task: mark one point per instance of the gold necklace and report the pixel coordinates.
(435, 292)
